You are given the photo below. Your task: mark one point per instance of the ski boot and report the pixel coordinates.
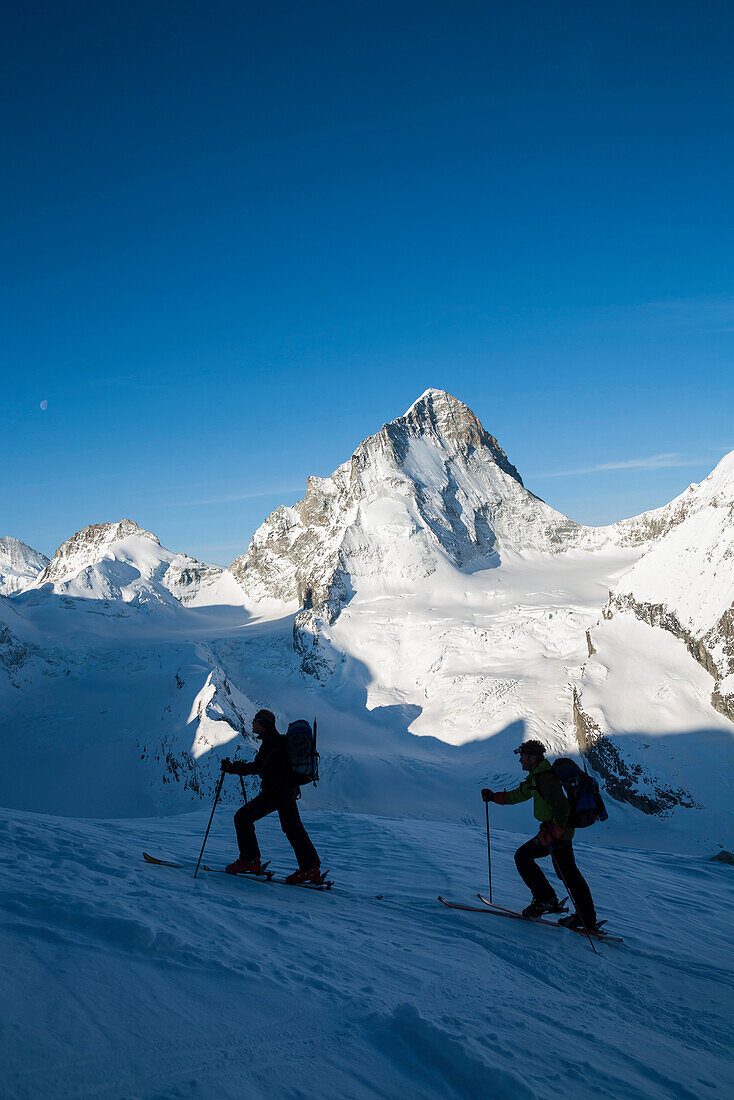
(311, 877)
(539, 908)
(577, 925)
(244, 867)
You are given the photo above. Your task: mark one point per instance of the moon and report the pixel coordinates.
(44, 405)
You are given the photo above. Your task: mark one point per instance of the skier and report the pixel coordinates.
(554, 838)
(278, 791)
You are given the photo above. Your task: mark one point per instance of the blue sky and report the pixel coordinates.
(238, 237)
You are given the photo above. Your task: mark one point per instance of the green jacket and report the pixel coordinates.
(549, 801)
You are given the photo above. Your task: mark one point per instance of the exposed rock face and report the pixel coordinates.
(185, 577)
(660, 615)
(19, 565)
(625, 779)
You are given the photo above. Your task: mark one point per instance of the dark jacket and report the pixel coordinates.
(273, 764)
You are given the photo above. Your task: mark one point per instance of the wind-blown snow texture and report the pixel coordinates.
(124, 980)
(432, 613)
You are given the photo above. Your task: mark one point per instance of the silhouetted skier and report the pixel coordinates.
(279, 791)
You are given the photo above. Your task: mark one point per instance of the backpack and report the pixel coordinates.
(582, 792)
(302, 751)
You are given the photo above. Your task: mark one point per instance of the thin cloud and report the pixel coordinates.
(653, 462)
(231, 498)
(705, 316)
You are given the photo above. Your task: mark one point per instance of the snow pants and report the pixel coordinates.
(564, 863)
(290, 822)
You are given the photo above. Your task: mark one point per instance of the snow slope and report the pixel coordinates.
(122, 979)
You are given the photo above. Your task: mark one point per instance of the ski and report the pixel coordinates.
(322, 884)
(160, 862)
(265, 876)
(582, 931)
(499, 911)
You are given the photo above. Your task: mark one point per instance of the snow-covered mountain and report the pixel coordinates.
(432, 613)
(121, 561)
(431, 493)
(107, 671)
(685, 582)
(663, 648)
(431, 486)
(19, 565)
(425, 605)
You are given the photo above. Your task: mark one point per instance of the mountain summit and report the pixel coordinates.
(123, 561)
(432, 486)
(451, 424)
(89, 546)
(431, 490)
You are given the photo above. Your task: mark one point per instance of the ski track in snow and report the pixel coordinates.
(127, 980)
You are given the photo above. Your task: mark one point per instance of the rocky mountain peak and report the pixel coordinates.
(89, 546)
(440, 416)
(431, 490)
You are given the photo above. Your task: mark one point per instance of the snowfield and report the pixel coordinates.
(432, 613)
(121, 979)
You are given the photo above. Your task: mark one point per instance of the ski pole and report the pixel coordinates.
(216, 799)
(242, 781)
(489, 852)
(573, 899)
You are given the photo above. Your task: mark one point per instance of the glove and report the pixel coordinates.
(226, 765)
(548, 832)
(493, 796)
